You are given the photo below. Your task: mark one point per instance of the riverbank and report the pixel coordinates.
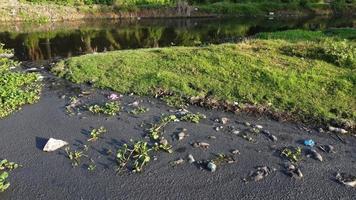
(286, 78)
(43, 13)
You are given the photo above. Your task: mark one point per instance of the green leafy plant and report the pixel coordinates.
(74, 156)
(4, 184)
(139, 110)
(155, 131)
(110, 108)
(175, 101)
(292, 154)
(96, 133)
(138, 156)
(191, 117)
(8, 166)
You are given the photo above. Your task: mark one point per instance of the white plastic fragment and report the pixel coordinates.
(54, 144)
(212, 166)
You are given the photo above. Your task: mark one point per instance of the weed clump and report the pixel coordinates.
(110, 108)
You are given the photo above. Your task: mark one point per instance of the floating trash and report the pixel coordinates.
(309, 143)
(212, 166)
(259, 174)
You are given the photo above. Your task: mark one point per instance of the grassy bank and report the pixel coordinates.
(62, 10)
(272, 73)
(16, 88)
(296, 8)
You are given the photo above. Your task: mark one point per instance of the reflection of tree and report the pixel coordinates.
(87, 39)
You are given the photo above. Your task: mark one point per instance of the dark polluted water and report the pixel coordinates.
(34, 42)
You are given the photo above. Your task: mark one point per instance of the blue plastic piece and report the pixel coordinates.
(309, 143)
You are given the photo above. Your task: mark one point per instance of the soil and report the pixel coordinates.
(51, 175)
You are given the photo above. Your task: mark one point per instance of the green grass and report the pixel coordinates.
(16, 88)
(258, 72)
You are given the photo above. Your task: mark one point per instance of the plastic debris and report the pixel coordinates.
(327, 148)
(203, 145)
(309, 143)
(337, 130)
(235, 151)
(315, 155)
(191, 159)
(224, 120)
(177, 162)
(294, 171)
(212, 166)
(113, 97)
(54, 144)
(270, 136)
(259, 174)
(346, 179)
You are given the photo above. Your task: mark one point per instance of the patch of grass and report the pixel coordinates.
(139, 110)
(191, 117)
(256, 72)
(16, 88)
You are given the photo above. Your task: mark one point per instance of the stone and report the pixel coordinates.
(54, 144)
(212, 166)
(191, 159)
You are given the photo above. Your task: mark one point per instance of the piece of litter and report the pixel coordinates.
(211, 166)
(259, 127)
(224, 120)
(177, 162)
(134, 104)
(191, 159)
(327, 148)
(113, 97)
(346, 179)
(259, 174)
(235, 151)
(294, 171)
(203, 145)
(316, 155)
(337, 130)
(309, 143)
(54, 144)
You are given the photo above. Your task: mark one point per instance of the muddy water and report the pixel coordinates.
(33, 42)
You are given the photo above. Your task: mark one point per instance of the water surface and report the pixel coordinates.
(33, 42)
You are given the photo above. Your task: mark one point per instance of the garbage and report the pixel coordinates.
(337, 130)
(203, 145)
(294, 171)
(181, 136)
(236, 132)
(259, 174)
(313, 153)
(259, 127)
(327, 148)
(235, 151)
(346, 179)
(270, 136)
(177, 162)
(224, 120)
(134, 104)
(212, 137)
(113, 97)
(191, 159)
(309, 143)
(54, 144)
(211, 166)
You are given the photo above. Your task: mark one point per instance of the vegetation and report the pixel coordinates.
(110, 108)
(5, 168)
(16, 88)
(75, 156)
(96, 133)
(137, 156)
(260, 72)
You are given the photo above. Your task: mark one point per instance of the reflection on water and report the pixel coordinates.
(42, 42)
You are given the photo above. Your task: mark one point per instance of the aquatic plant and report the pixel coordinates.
(137, 155)
(139, 110)
(74, 156)
(292, 154)
(110, 108)
(4, 184)
(191, 117)
(96, 133)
